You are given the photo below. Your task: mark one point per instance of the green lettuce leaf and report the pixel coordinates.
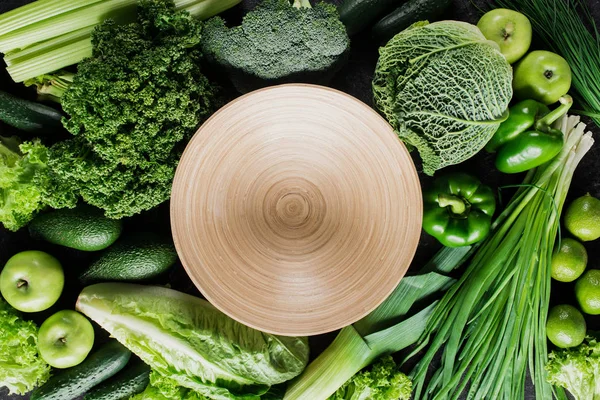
(189, 341)
(21, 367)
(383, 381)
(444, 88)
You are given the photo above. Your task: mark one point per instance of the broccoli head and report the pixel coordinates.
(577, 369)
(23, 179)
(278, 43)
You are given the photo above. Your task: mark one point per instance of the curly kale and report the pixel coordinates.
(23, 178)
(132, 106)
(278, 43)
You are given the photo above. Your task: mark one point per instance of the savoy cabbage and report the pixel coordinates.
(444, 88)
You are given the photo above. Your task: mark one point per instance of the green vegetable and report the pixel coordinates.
(188, 341)
(526, 139)
(97, 367)
(83, 228)
(444, 88)
(51, 86)
(407, 14)
(47, 35)
(563, 26)
(162, 388)
(132, 107)
(136, 257)
(21, 367)
(458, 210)
(358, 14)
(489, 327)
(278, 43)
(129, 382)
(27, 115)
(382, 382)
(23, 178)
(391, 327)
(577, 369)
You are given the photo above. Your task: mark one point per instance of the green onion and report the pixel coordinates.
(47, 35)
(490, 325)
(559, 24)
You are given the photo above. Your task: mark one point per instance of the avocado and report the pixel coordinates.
(83, 228)
(134, 258)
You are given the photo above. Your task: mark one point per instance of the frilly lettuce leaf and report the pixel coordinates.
(189, 341)
(21, 367)
(444, 88)
(577, 369)
(383, 381)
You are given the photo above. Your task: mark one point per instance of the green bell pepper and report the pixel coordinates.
(458, 210)
(526, 139)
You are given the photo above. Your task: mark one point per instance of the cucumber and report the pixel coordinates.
(135, 258)
(131, 381)
(358, 14)
(83, 228)
(73, 382)
(27, 115)
(407, 14)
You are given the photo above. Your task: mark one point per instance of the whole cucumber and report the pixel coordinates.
(27, 115)
(356, 15)
(83, 228)
(133, 258)
(73, 382)
(407, 14)
(131, 381)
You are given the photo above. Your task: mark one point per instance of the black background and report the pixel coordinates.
(354, 79)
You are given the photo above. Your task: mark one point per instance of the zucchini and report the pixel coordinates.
(358, 14)
(131, 381)
(73, 382)
(407, 14)
(27, 115)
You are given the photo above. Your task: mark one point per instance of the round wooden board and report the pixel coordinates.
(296, 210)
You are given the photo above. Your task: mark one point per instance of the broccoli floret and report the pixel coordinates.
(278, 43)
(23, 180)
(577, 369)
(383, 381)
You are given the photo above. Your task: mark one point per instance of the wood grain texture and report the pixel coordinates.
(296, 210)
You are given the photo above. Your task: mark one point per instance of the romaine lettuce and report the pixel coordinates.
(189, 341)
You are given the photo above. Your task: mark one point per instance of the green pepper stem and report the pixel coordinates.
(566, 102)
(456, 204)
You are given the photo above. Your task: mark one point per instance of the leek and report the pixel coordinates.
(47, 35)
(490, 325)
(391, 327)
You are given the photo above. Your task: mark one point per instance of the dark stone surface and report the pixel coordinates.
(355, 79)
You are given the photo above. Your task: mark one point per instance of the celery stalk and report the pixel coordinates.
(51, 61)
(39, 49)
(207, 8)
(38, 11)
(64, 23)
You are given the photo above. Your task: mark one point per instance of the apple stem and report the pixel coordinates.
(21, 283)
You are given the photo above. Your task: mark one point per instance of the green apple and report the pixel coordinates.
(32, 281)
(65, 339)
(543, 76)
(510, 29)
